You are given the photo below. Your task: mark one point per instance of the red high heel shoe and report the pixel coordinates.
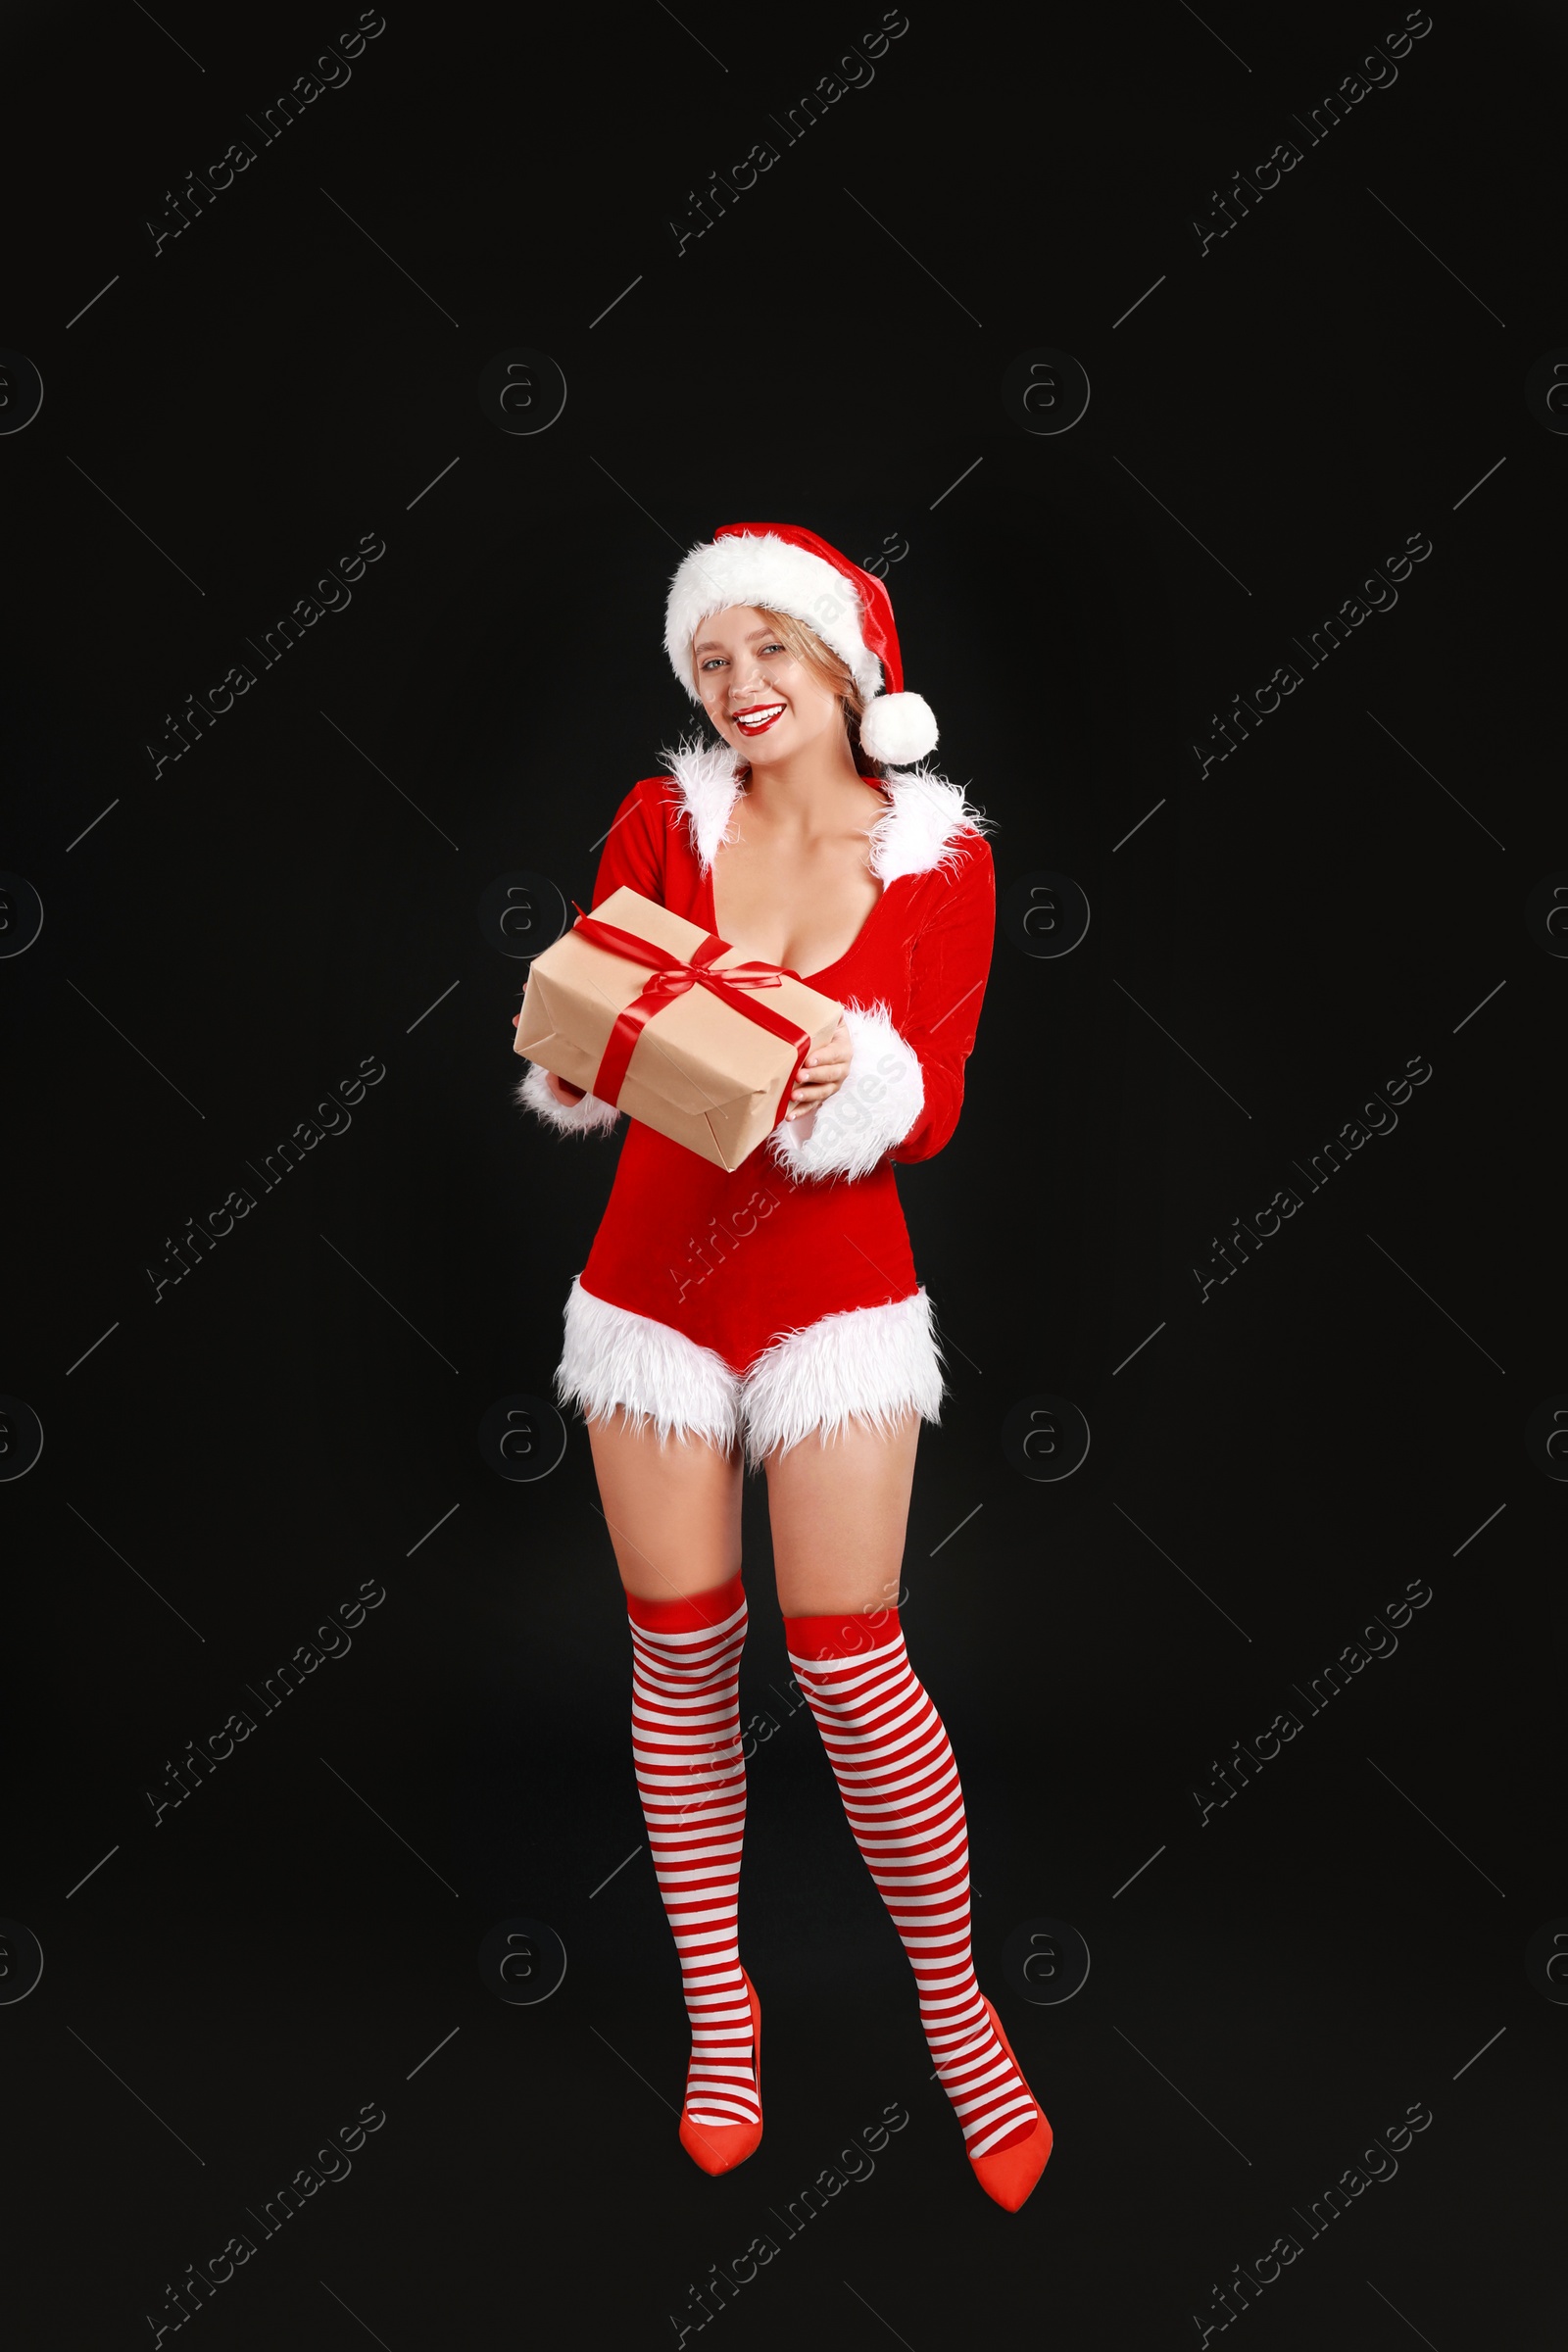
(719, 2147)
(1010, 2174)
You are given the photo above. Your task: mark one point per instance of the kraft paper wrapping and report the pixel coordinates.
(700, 1072)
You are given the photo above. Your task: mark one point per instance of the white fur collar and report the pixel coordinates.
(921, 830)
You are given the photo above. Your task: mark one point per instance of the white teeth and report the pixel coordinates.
(753, 719)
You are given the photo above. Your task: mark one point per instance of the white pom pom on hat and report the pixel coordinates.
(898, 728)
(791, 570)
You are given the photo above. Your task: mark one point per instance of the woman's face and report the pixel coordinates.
(762, 700)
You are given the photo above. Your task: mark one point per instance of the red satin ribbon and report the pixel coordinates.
(672, 978)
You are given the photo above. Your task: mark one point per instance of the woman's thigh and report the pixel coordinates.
(839, 1513)
(674, 1510)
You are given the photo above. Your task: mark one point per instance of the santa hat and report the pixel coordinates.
(790, 570)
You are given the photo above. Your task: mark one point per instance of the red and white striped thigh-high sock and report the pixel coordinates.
(691, 1777)
(900, 1784)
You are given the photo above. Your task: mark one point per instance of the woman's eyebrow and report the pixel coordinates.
(711, 645)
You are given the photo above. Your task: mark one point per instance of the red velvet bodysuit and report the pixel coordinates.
(734, 1259)
(809, 1226)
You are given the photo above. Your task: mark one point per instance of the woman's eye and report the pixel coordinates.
(772, 649)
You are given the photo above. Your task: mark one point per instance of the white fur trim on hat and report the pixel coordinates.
(590, 1116)
(874, 1363)
(766, 570)
(659, 1377)
(879, 1102)
(897, 727)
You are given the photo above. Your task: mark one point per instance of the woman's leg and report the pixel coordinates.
(673, 1511)
(839, 1514)
(674, 1518)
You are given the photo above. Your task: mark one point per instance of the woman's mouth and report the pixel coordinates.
(758, 719)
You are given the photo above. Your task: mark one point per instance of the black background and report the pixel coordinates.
(296, 1416)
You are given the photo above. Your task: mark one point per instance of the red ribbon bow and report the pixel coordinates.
(669, 978)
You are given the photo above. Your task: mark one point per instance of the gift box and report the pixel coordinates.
(655, 1014)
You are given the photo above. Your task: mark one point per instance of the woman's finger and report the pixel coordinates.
(822, 1072)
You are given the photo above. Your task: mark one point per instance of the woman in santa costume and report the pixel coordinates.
(771, 1313)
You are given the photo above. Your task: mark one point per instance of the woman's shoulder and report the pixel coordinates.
(695, 796)
(931, 830)
(654, 806)
(650, 792)
(650, 842)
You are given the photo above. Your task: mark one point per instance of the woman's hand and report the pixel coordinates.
(562, 1088)
(822, 1072)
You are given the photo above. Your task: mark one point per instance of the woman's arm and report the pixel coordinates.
(905, 1088)
(632, 857)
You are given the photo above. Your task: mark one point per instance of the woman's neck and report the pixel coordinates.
(808, 791)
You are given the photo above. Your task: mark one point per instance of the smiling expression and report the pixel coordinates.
(763, 701)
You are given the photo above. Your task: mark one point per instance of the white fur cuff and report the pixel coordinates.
(590, 1116)
(879, 1102)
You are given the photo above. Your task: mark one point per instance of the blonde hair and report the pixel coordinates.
(829, 671)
